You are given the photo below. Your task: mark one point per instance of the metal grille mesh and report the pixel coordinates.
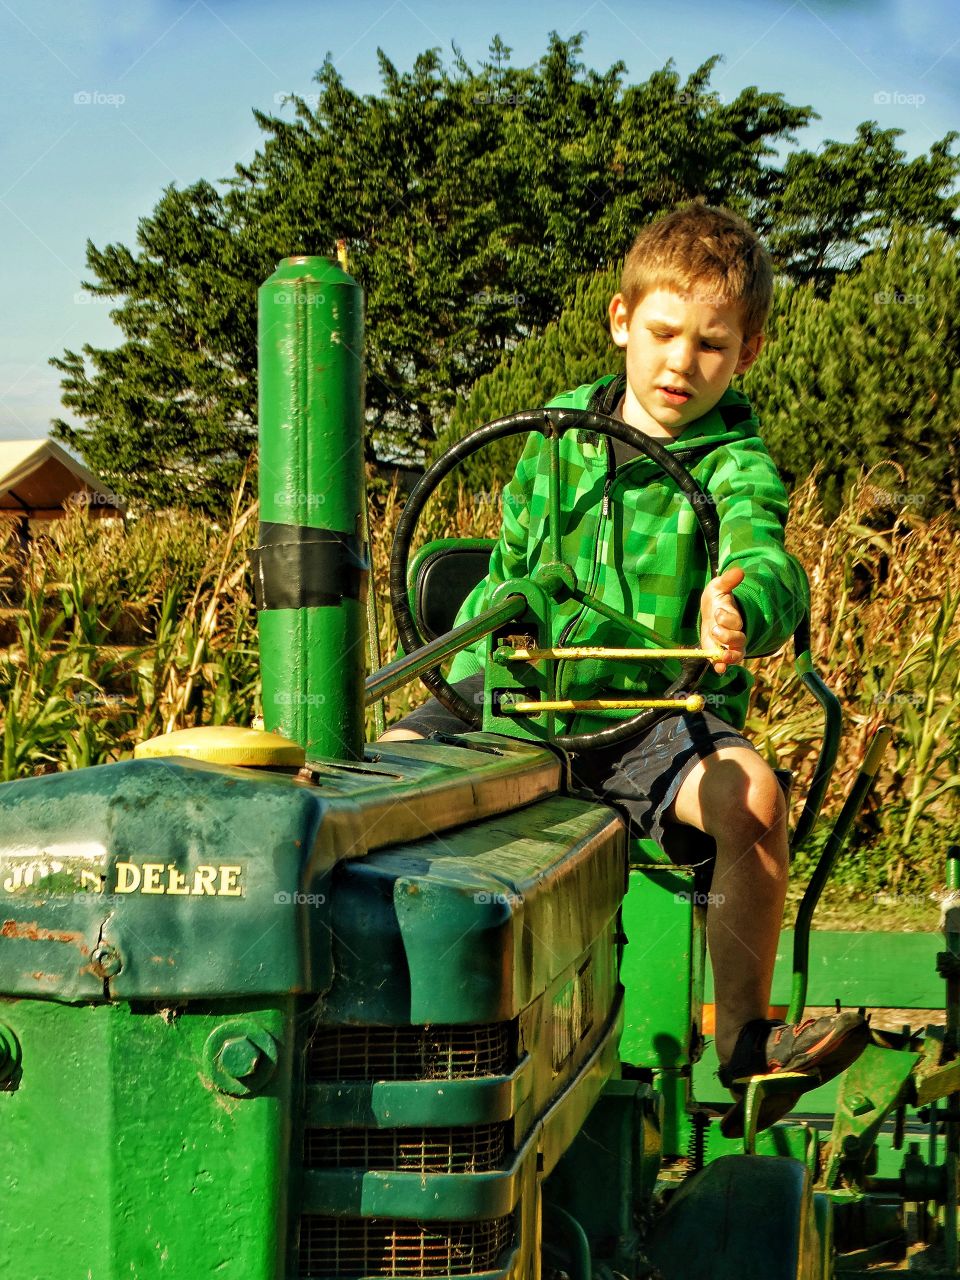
(346, 1248)
(470, 1149)
(409, 1053)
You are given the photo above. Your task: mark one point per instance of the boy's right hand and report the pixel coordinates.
(721, 622)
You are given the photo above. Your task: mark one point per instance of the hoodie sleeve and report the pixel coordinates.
(752, 507)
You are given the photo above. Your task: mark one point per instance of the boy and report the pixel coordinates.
(695, 293)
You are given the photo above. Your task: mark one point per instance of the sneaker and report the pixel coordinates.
(819, 1048)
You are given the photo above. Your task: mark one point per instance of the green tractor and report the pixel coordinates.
(280, 1005)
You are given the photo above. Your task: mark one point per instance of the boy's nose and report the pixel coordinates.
(680, 358)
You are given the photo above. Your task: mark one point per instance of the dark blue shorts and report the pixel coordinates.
(640, 777)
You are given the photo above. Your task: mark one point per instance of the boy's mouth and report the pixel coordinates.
(675, 395)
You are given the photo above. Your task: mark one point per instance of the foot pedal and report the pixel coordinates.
(765, 1100)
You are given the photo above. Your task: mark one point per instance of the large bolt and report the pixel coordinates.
(241, 1058)
(105, 960)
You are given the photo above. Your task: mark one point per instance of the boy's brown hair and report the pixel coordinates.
(702, 250)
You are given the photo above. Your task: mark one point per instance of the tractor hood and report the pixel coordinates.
(173, 879)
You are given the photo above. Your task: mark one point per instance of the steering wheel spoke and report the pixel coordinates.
(639, 629)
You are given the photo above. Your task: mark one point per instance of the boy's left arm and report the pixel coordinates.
(760, 593)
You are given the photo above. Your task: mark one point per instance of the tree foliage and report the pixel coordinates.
(170, 413)
(868, 376)
(832, 205)
(472, 200)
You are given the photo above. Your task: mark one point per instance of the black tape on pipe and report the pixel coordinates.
(297, 567)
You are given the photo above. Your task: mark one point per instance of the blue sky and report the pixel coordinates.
(106, 104)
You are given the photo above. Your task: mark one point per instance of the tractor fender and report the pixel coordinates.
(741, 1218)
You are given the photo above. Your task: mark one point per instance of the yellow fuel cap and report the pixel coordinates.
(224, 744)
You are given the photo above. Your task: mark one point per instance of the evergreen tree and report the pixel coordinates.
(828, 207)
(869, 376)
(171, 412)
(472, 201)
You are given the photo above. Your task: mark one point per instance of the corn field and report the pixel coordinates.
(112, 634)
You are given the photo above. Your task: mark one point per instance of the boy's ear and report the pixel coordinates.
(749, 350)
(619, 320)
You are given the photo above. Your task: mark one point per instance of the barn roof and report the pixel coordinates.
(39, 479)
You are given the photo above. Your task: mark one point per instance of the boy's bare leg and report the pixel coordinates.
(399, 735)
(734, 797)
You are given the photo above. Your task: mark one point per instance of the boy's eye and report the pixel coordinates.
(709, 346)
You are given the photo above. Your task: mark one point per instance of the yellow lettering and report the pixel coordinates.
(157, 877)
(152, 871)
(14, 881)
(128, 877)
(204, 880)
(229, 882)
(176, 881)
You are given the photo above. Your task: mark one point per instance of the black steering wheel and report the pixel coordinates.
(551, 423)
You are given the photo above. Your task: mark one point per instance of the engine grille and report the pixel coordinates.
(409, 1053)
(346, 1248)
(472, 1149)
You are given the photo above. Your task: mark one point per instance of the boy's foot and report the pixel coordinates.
(820, 1048)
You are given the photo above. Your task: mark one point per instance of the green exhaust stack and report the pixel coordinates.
(311, 566)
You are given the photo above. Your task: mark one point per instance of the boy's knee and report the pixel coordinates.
(742, 798)
(400, 735)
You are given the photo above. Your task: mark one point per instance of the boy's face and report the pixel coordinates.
(682, 351)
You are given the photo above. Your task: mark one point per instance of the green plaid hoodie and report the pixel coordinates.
(633, 539)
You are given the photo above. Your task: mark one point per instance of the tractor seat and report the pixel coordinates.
(442, 575)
